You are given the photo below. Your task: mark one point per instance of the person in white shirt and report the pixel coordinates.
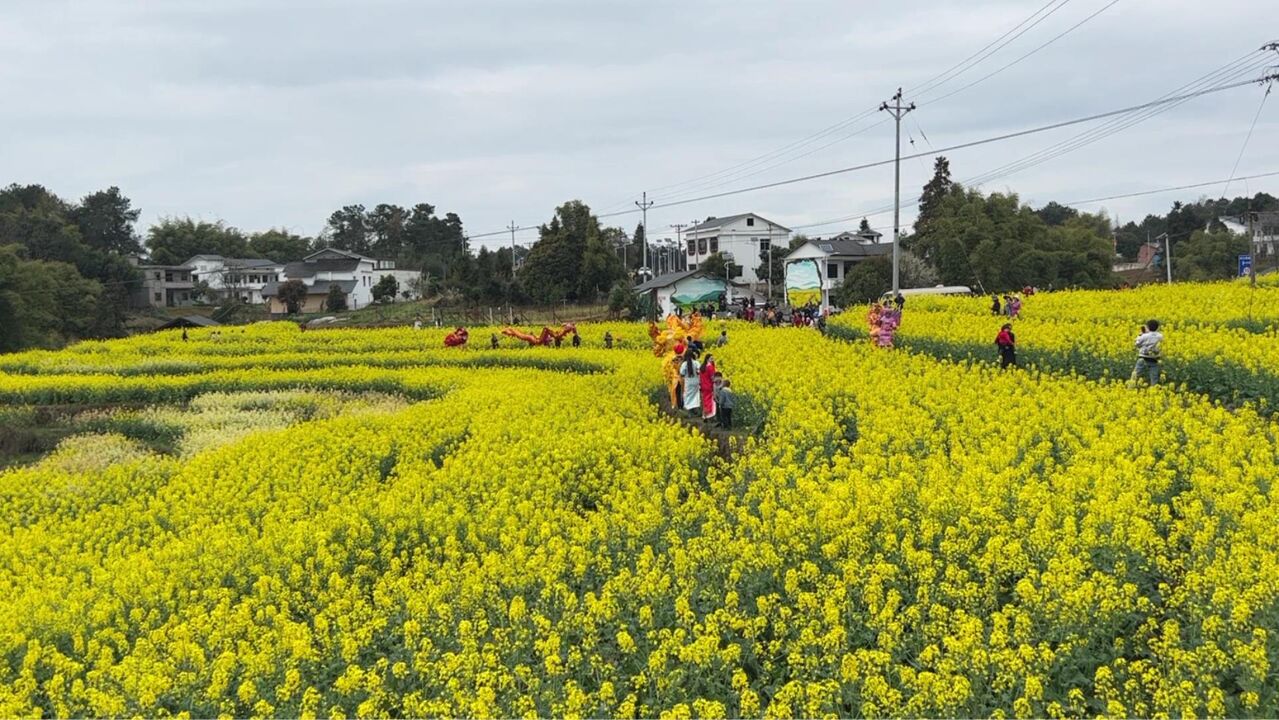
(1149, 350)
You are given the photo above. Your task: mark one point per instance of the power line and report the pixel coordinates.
(1247, 137)
(936, 81)
(924, 89)
(1238, 68)
(961, 146)
(1052, 40)
(1163, 101)
(1165, 190)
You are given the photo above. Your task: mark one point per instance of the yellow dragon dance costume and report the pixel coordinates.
(665, 342)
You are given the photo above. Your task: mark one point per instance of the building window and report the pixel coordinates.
(750, 222)
(832, 270)
(701, 246)
(764, 244)
(692, 247)
(714, 244)
(159, 297)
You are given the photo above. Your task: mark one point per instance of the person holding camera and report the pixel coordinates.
(1149, 349)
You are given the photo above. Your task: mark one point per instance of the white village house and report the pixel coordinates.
(234, 277)
(817, 267)
(353, 273)
(740, 237)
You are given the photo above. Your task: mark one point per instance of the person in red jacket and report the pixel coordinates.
(1007, 344)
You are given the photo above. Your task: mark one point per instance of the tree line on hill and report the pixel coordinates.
(65, 272)
(996, 243)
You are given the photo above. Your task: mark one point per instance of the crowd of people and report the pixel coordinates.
(704, 391)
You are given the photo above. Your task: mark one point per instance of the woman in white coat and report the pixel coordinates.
(690, 371)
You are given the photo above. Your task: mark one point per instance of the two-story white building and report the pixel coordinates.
(739, 237)
(353, 273)
(235, 277)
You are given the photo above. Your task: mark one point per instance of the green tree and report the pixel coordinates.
(336, 299)
(1054, 213)
(716, 265)
(934, 194)
(348, 229)
(41, 223)
(600, 268)
(292, 293)
(864, 228)
(280, 245)
(173, 241)
(386, 225)
(551, 272)
(43, 303)
(994, 242)
(1208, 256)
(106, 221)
(385, 289)
(866, 281)
(622, 298)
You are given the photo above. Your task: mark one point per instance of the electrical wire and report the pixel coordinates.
(931, 84)
(1169, 101)
(1052, 40)
(1247, 137)
(1164, 190)
(1163, 101)
(960, 146)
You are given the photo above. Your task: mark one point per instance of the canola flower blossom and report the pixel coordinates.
(521, 532)
(1221, 339)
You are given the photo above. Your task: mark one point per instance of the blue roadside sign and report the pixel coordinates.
(1245, 265)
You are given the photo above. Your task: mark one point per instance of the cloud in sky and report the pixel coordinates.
(276, 113)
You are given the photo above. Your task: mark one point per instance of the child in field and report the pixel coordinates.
(726, 401)
(608, 340)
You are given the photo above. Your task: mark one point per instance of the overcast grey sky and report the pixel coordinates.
(274, 113)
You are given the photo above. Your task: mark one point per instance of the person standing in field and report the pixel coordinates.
(1014, 307)
(706, 383)
(994, 304)
(1149, 350)
(608, 340)
(723, 338)
(725, 401)
(577, 339)
(493, 341)
(1006, 341)
(689, 373)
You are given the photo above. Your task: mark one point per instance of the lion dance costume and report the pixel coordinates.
(669, 345)
(457, 338)
(547, 336)
(883, 321)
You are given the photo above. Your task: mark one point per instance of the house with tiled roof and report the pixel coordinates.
(740, 238)
(225, 278)
(354, 274)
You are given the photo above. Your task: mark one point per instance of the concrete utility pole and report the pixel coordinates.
(644, 206)
(679, 239)
(898, 111)
(512, 227)
(1168, 256)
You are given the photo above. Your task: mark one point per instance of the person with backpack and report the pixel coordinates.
(1006, 341)
(1149, 350)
